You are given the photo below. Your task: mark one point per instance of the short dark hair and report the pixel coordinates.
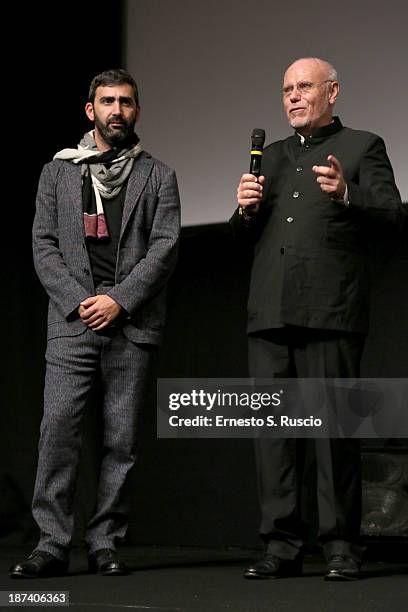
(116, 76)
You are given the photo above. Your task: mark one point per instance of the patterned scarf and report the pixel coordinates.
(108, 171)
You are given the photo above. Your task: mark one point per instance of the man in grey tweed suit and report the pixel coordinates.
(105, 243)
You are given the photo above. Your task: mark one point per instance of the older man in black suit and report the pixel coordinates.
(105, 243)
(309, 216)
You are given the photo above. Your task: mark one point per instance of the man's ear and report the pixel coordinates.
(334, 92)
(89, 110)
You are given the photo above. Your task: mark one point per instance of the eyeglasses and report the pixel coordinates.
(302, 87)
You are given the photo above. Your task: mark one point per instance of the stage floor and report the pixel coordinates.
(198, 579)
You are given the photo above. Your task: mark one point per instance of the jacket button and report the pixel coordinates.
(290, 219)
(282, 250)
(299, 169)
(295, 194)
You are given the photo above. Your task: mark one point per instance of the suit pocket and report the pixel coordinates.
(59, 329)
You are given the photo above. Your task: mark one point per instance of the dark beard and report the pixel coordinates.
(115, 138)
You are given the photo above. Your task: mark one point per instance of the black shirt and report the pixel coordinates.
(103, 252)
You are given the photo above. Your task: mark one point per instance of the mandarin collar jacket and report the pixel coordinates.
(311, 253)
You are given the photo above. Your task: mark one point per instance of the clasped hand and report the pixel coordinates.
(98, 311)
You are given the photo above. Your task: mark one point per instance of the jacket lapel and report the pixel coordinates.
(73, 189)
(137, 180)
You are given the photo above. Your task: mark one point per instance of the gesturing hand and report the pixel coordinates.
(331, 179)
(98, 311)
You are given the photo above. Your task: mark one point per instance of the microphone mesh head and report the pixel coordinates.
(258, 137)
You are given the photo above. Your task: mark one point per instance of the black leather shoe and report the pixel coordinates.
(106, 563)
(342, 568)
(39, 564)
(273, 567)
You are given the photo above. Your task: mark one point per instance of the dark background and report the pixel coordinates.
(184, 492)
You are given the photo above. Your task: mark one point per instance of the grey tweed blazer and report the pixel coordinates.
(147, 249)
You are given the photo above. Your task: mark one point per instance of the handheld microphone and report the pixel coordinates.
(257, 143)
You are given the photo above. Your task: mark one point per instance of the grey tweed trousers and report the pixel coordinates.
(73, 362)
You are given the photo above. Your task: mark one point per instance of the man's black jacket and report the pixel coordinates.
(311, 253)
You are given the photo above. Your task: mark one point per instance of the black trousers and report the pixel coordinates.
(305, 353)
